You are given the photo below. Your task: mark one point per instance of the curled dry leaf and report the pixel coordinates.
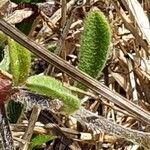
(5, 88)
(18, 16)
(3, 6)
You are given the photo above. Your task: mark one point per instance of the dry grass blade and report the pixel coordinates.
(18, 16)
(66, 28)
(29, 132)
(4, 6)
(57, 15)
(132, 81)
(98, 124)
(140, 18)
(64, 138)
(63, 13)
(114, 112)
(75, 73)
(129, 26)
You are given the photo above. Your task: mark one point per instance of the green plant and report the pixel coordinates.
(4, 64)
(51, 87)
(3, 38)
(14, 109)
(20, 59)
(20, 62)
(38, 140)
(95, 42)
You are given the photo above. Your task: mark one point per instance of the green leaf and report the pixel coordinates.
(4, 54)
(3, 38)
(4, 64)
(20, 62)
(52, 47)
(48, 86)
(1, 53)
(14, 110)
(95, 42)
(24, 26)
(39, 140)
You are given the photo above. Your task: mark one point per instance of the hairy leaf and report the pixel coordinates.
(53, 88)
(4, 64)
(39, 140)
(20, 61)
(95, 42)
(3, 38)
(14, 110)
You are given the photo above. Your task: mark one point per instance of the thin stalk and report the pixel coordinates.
(5, 133)
(76, 74)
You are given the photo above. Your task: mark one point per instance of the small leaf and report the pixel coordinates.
(24, 27)
(14, 110)
(3, 38)
(39, 140)
(95, 42)
(4, 64)
(48, 86)
(52, 47)
(20, 61)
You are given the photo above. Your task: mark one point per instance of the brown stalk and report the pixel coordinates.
(88, 81)
(5, 133)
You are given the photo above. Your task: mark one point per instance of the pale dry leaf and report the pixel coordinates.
(122, 80)
(143, 63)
(18, 16)
(3, 6)
(140, 18)
(3, 2)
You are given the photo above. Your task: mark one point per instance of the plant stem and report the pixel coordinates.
(7, 140)
(78, 75)
(100, 124)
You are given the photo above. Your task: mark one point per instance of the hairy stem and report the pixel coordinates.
(6, 136)
(99, 123)
(76, 74)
